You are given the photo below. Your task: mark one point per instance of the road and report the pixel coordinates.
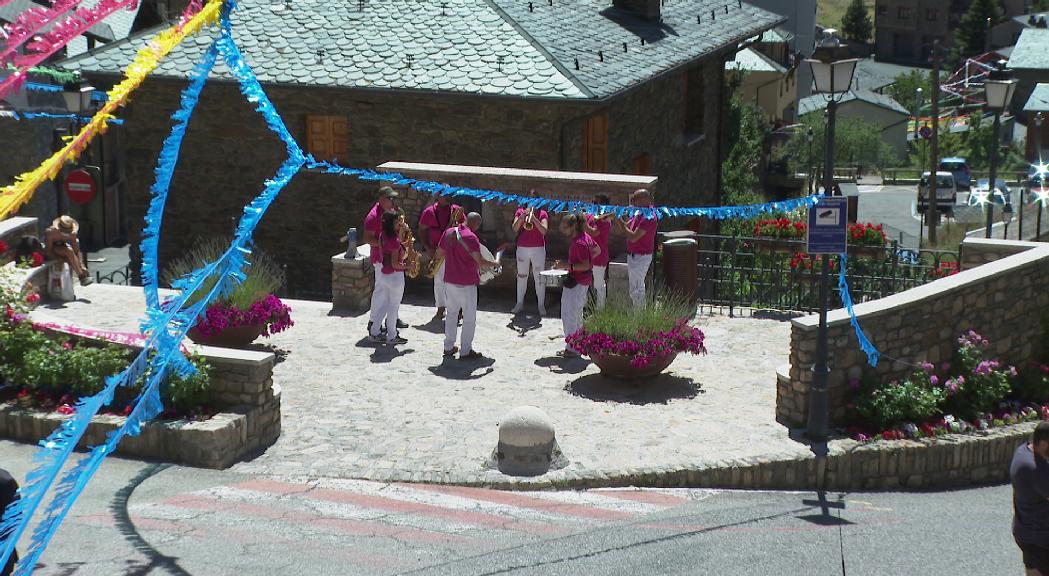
(142, 519)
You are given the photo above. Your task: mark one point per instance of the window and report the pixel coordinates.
(903, 12)
(882, 10)
(694, 101)
(595, 143)
(932, 14)
(643, 165)
(326, 137)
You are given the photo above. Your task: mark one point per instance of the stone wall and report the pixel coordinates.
(1003, 299)
(11, 231)
(248, 419)
(228, 153)
(27, 143)
(352, 282)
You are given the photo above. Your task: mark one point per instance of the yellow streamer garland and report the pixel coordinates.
(147, 59)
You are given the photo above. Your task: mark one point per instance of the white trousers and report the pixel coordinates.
(390, 288)
(439, 287)
(462, 298)
(599, 285)
(572, 302)
(636, 270)
(536, 258)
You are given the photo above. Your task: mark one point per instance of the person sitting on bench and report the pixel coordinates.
(61, 243)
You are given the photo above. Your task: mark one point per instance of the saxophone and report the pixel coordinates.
(411, 257)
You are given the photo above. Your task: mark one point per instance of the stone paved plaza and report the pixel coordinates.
(352, 410)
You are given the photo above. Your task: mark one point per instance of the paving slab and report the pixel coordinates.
(352, 410)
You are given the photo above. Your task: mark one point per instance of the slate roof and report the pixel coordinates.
(816, 102)
(1031, 51)
(471, 46)
(1039, 100)
(751, 60)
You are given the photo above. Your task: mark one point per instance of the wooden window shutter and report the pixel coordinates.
(643, 165)
(595, 144)
(327, 137)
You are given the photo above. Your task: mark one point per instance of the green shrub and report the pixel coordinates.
(188, 394)
(912, 400)
(622, 320)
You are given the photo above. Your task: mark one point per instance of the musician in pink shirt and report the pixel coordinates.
(435, 219)
(582, 252)
(599, 227)
(640, 231)
(372, 234)
(461, 250)
(530, 225)
(389, 281)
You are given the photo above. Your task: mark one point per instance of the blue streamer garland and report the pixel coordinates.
(846, 301)
(33, 115)
(745, 212)
(96, 96)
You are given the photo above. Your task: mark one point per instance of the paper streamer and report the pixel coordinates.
(846, 301)
(437, 188)
(60, 76)
(17, 194)
(31, 20)
(131, 339)
(34, 115)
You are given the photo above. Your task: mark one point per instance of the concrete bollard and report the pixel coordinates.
(526, 442)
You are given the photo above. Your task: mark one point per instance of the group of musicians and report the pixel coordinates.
(449, 237)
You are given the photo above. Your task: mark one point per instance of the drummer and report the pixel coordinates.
(372, 234)
(435, 219)
(461, 250)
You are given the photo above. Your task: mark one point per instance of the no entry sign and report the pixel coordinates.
(80, 186)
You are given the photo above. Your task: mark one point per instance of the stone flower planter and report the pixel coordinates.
(235, 337)
(872, 252)
(777, 245)
(618, 367)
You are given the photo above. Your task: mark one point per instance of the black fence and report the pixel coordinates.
(745, 272)
(121, 276)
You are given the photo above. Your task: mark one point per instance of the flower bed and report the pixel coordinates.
(970, 392)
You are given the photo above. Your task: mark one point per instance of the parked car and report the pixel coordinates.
(958, 168)
(1002, 195)
(946, 193)
(1038, 176)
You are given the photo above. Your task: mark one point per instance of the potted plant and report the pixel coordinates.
(629, 343)
(249, 310)
(779, 234)
(867, 240)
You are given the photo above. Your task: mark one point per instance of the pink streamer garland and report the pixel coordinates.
(51, 42)
(125, 338)
(29, 22)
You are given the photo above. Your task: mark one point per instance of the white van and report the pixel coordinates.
(946, 192)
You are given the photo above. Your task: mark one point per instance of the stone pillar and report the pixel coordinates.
(352, 282)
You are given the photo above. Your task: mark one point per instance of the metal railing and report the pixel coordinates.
(121, 276)
(745, 272)
(903, 176)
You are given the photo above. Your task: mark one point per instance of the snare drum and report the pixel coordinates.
(489, 274)
(364, 251)
(554, 278)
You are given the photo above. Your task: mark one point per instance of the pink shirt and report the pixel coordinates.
(373, 224)
(531, 238)
(579, 252)
(391, 252)
(647, 243)
(604, 228)
(437, 219)
(460, 268)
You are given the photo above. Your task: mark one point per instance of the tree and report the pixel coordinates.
(856, 142)
(970, 39)
(1039, 6)
(904, 88)
(745, 132)
(856, 23)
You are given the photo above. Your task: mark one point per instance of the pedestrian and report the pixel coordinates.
(599, 227)
(1029, 473)
(389, 282)
(8, 496)
(435, 219)
(640, 231)
(61, 242)
(461, 250)
(372, 232)
(582, 251)
(530, 226)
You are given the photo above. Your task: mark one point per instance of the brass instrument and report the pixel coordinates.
(528, 219)
(434, 264)
(411, 257)
(604, 216)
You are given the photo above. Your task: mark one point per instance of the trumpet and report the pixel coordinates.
(411, 257)
(604, 216)
(528, 220)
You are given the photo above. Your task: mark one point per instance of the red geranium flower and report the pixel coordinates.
(3, 246)
(38, 259)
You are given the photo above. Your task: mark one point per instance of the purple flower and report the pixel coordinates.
(934, 380)
(927, 366)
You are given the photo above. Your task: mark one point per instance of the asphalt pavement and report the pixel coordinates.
(143, 519)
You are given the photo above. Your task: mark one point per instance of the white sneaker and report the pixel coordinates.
(517, 308)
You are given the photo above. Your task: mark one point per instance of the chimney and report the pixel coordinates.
(645, 8)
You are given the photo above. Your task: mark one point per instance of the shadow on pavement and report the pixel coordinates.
(559, 365)
(659, 390)
(124, 525)
(386, 354)
(455, 369)
(523, 324)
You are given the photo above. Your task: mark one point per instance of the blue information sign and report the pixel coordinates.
(828, 220)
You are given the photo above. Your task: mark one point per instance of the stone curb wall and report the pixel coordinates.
(947, 461)
(11, 231)
(248, 420)
(1002, 299)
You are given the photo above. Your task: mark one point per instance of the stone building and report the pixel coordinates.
(904, 30)
(633, 87)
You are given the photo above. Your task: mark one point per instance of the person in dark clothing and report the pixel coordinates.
(8, 496)
(1029, 473)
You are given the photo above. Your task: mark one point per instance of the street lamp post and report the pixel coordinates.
(999, 88)
(1039, 174)
(832, 72)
